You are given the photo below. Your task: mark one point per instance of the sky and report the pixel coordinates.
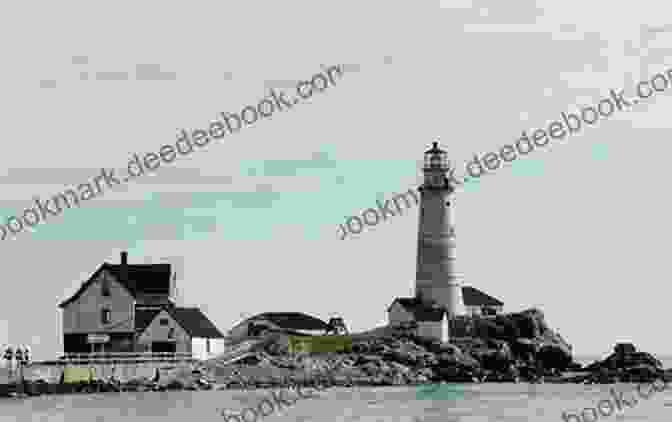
(576, 229)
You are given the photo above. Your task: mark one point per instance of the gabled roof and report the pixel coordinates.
(420, 311)
(151, 279)
(475, 297)
(146, 280)
(292, 320)
(145, 317)
(194, 322)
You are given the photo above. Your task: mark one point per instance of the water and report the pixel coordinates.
(475, 402)
(451, 403)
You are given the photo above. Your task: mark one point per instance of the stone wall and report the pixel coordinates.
(123, 372)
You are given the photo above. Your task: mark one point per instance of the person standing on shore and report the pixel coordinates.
(9, 357)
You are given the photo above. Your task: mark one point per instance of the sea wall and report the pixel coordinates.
(122, 371)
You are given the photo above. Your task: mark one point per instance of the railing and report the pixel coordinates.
(107, 357)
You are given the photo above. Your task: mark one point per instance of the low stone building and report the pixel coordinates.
(293, 323)
(432, 320)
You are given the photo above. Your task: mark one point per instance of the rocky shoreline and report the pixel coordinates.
(516, 347)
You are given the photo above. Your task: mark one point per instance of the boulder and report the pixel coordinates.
(629, 363)
(642, 373)
(528, 336)
(624, 348)
(370, 368)
(554, 356)
(524, 349)
(455, 374)
(496, 358)
(404, 357)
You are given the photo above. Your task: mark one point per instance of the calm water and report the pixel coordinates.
(464, 403)
(493, 402)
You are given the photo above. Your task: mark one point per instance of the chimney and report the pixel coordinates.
(176, 276)
(124, 266)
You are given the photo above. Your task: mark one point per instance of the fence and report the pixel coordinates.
(103, 358)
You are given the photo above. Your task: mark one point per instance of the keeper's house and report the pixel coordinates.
(131, 308)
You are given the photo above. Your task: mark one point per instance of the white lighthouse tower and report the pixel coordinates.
(437, 279)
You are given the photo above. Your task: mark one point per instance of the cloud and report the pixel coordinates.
(600, 152)
(319, 160)
(74, 176)
(504, 28)
(153, 72)
(162, 232)
(528, 167)
(280, 84)
(112, 76)
(202, 224)
(47, 83)
(657, 29)
(251, 200)
(80, 60)
(471, 185)
(455, 4)
(261, 198)
(355, 67)
(47, 176)
(184, 176)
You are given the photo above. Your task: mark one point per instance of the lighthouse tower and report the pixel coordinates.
(437, 280)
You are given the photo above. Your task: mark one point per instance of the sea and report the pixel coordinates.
(449, 403)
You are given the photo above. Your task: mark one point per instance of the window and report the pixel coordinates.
(106, 316)
(171, 333)
(105, 287)
(163, 321)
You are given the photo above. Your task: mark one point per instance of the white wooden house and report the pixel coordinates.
(131, 308)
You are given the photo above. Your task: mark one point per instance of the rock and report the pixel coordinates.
(507, 347)
(370, 368)
(643, 373)
(624, 348)
(524, 349)
(455, 374)
(495, 359)
(530, 373)
(426, 373)
(397, 367)
(511, 375)
(554, 356)
(529, 338)
(629, 365)
(404, 357)
(362, 359)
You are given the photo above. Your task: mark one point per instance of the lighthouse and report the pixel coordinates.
(438, 282)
